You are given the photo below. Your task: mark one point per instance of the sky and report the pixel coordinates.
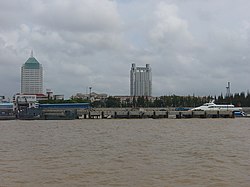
(194, 47)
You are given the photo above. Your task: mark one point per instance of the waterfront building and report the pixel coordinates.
(129, 99)
(140, 81)
(6, 111)
(1, 98)
(32, 76)
(24, 101)
(91, 96)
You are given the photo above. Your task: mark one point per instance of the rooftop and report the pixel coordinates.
(31, 63)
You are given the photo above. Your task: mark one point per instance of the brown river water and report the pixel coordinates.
(128, 152)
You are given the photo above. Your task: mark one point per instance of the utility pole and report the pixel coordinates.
(90, 93)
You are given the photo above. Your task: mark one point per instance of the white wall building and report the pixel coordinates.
(24, 101)
(32, 77)
(140, 81)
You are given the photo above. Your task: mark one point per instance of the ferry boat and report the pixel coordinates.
(217, 107)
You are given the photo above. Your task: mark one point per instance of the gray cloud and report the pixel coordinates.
(194, 47)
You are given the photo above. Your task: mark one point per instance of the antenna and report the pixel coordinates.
(228, 94)
(31, 54)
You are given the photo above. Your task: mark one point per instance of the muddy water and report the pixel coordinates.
(143, 152)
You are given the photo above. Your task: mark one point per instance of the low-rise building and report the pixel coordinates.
(23, 101)
(91, 96)
(130, 98)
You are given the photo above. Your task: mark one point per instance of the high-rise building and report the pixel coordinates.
(140, 81)
(32, 76)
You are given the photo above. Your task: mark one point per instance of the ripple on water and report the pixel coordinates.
(146, 152)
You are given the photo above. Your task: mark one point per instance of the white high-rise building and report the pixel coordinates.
(140, 81)
(32, 76)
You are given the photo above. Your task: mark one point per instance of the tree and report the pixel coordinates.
(113, 102)
(140, 101)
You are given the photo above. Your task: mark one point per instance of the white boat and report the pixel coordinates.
(217, 107)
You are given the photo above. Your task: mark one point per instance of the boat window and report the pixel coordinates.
(212, 107)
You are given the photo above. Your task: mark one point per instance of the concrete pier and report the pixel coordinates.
(117, 113)
(155, 114)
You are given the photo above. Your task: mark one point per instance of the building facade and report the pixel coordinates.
(140, 81)
(32, 77)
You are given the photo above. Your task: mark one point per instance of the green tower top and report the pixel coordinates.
(31, 63)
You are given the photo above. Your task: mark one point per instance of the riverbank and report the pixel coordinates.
(115, 113)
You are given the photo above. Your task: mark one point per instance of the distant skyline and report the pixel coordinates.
(193, 47)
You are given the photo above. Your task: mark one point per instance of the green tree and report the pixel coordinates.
(113, 102)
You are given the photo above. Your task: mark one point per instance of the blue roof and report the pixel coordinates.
(65, 105)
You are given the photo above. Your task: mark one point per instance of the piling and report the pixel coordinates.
(128, 115)
(166, 116)
(179, 115)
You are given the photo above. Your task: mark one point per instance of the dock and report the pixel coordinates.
(155, 114)
(113, 113)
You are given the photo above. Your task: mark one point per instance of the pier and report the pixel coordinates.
(155, 114)
(113, 113)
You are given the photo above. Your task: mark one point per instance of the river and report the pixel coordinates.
(127, 152)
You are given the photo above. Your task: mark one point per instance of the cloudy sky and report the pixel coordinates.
(193, 46)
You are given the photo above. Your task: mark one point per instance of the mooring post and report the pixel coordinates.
(166, 114)
(180, 115)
